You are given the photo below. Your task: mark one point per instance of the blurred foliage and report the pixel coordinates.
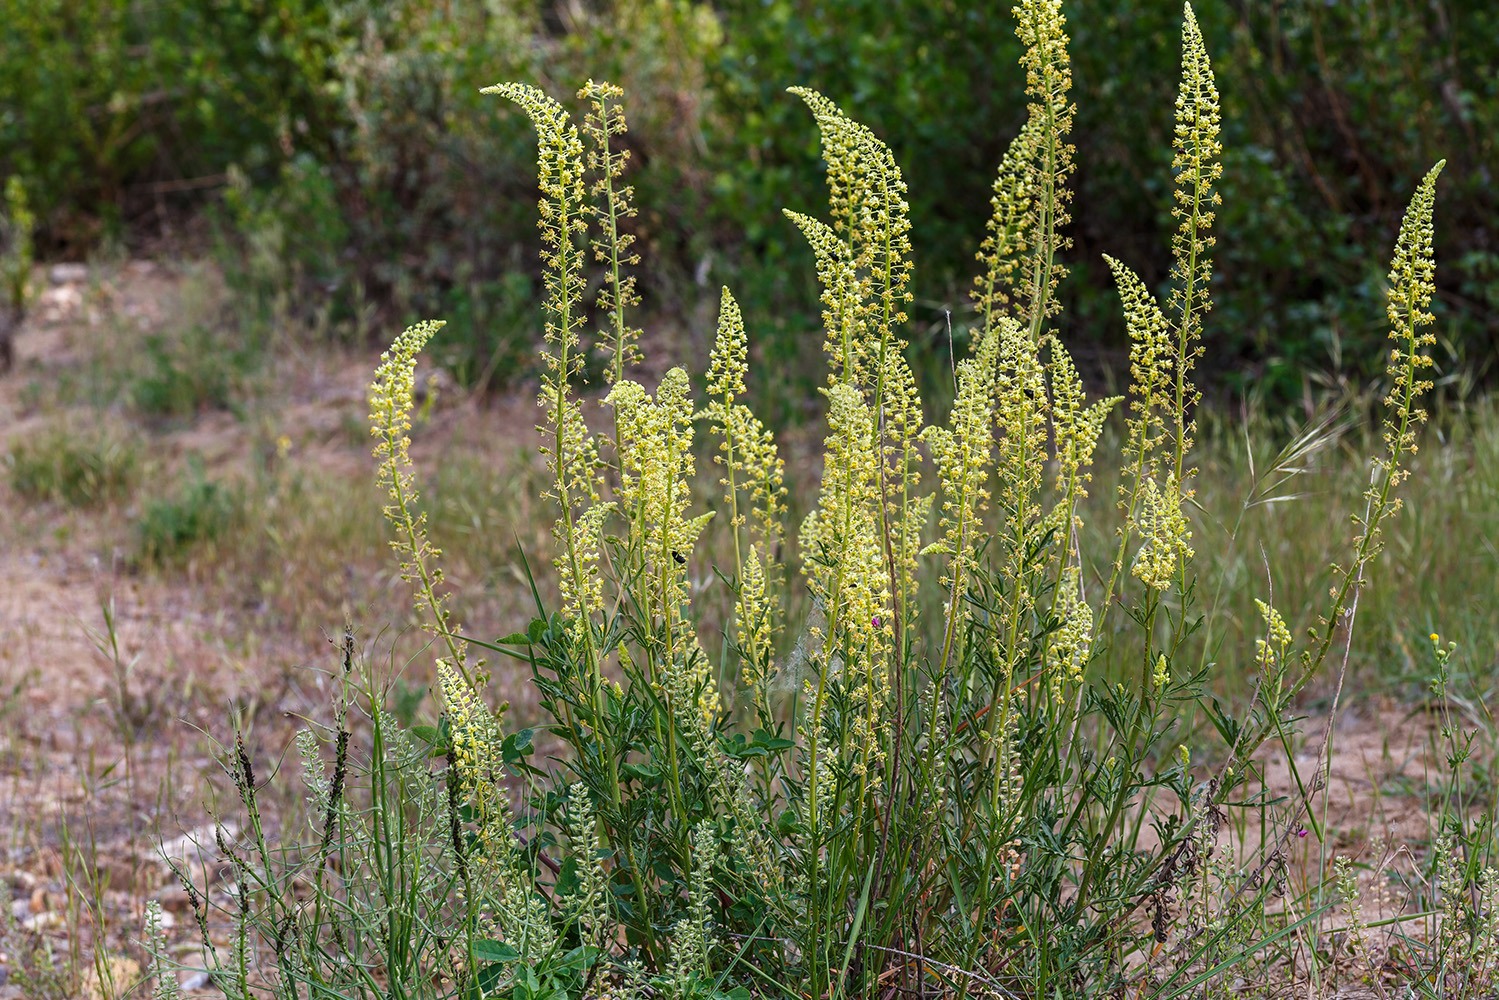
(78, 467)
(16, 250)
(200, 513)
(357, 173)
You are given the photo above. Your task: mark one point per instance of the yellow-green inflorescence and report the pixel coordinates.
(656, 473)
(1157, 480)
(612, 206)
(571, 449)
(963, 452)
(1196, 163)
(1166, 540)
(1021, 421)
(840, 541)
(1009, 237)
(1412, 283)
(391, 402)
(754, 493)
(1042, 29)
(843, 325)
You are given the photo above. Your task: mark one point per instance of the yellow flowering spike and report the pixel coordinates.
(906, 511)
(1076, 426)
(657, 470)
(571, 449)
(844, 149)
(748, 447)
(1151, 364)
(1408, 305)
(478, 764)
(1020, 416)
(754, 622)
(963, 452)
(747, 452)
(1042, 29)
(1067, 653)
(1162, 526)
(475, 735)
(1408, 301)
(1020, 413)
(843, 325)
(840, 539)
(887, 228)
(560, 176)
(867, 203)
(1009, 230)
(1162, 675)
(729, 361)
(1197, 167)
(864, 266)
(391, 402)
(612, 205)
(1270, 652)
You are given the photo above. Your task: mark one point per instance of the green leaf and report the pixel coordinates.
(1227, 727)
(786, 824)
(517, 746)
(494, 951)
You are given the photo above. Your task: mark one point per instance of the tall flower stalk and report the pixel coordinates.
(572, 452)
(874, 801)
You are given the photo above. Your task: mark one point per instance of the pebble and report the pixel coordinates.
(68, 274)
(41, 923)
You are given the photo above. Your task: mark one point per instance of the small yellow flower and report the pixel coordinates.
(656, 472)
(1167, 539)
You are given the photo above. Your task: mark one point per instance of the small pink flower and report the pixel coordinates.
(876, 621)
(1301, 832)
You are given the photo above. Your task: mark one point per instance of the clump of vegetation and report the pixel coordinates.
(200, 513)
(177, 378)
(939, 745)
(78, 467)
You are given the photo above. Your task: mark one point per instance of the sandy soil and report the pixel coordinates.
(107, 737)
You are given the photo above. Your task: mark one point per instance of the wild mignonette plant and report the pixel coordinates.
(917, 755)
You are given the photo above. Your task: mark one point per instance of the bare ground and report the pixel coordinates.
(108, 734)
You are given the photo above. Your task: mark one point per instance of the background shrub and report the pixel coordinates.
(374, 177)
